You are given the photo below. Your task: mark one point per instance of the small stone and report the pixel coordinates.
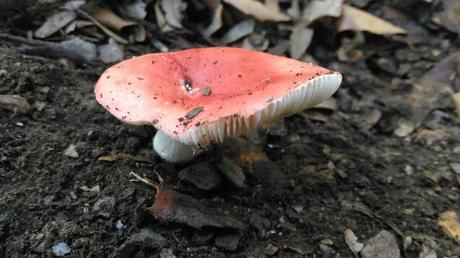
(119, 225)
(455, 167)
(456, 149)
(61, 249)
(146, 238)
(104, 206)
(259, 222)
(202, 175)
(228, 240)
(271, 249)
(71, 151)
(298, 208)
(382, 245)
(327, 250)
(111, 52)
(409, 170)
(167, 253)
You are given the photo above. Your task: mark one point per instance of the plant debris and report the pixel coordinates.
(171, 206)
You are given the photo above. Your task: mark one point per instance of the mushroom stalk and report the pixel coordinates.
(172, 150)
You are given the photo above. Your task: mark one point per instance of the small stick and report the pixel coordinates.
(144, 180)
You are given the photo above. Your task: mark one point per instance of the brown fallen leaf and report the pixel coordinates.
(299, 41)
(355, 19)
(171, 206)
(258, 10)
(449, 221)
(321, 8)
(174, 12)
(238, 31)
(14, 102)
(116, 156)
(161, 19)
(217, 9)
(54, 23)
(106, 17)
(433, 90)
(456, 98)
(449, 18)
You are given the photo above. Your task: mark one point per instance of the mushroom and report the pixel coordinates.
(198, 96)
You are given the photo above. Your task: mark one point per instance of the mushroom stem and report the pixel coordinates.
(172, 150)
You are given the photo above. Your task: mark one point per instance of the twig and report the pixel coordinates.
(106, 30)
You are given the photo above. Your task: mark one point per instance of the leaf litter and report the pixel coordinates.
(171, 206)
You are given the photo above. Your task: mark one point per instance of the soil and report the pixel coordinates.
(341, 170)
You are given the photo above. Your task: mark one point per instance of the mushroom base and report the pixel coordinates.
(172, 150)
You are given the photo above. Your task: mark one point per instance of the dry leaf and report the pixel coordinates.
(106, 17)
(116, 156)
(171, 206)
(294, 10)
(259, 10)
(54, 23)
(216, 21)
(174, 12)
(74, 25)
(299, 41)
(433, 90)
(256, 41)
(352, 241)
(449, 18)
(14, 102)
(322, 8)
(135, 9)
(450, 224)
(161, 20)
(456, 98)
(358, 20)
(111, 52)
(238, 31)
(102, 27)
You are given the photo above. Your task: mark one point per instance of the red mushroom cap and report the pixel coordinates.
(208, 94)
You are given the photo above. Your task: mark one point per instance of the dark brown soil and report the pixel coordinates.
(344, 172)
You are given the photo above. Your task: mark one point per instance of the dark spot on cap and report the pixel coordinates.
(107, 77)
(181, 119)
(240, 76)
(155, 121)
(100, 95)
(194, 112)
(215, 62)
(197, 124)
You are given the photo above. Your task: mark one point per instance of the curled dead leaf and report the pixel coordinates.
(322, 8)
(14, 102)
(54, 23)
(258, 10)
(355, 19)
(449, 221)
(171, 206)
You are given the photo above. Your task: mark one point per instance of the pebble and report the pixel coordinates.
(455, 167)
(167, 253)
(228, 240)
(61, 249)
(409, 170)
(104, 206)
(202, 175)
(71, 151)
(146, 238)
(119, 225)
(382, 245)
